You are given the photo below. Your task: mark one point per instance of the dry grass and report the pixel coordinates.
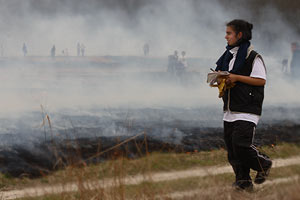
(121, 167)
(209, 187)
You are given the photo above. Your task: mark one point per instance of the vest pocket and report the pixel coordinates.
(251, 96)
(256, 96)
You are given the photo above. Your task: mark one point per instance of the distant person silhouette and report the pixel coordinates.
(82, 47)
(284, 65)
(172, 63)
(2, 50)
(295, 62)
(78, 49)
(53, 49)
(146, 49)
(24, 49)
(182, 60)
(180, 66)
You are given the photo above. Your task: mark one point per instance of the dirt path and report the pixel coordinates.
(208, 191)
(131, 180)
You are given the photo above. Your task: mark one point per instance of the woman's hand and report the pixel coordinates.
(232, 78)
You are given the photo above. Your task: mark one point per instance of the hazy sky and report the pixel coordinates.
(121, 27)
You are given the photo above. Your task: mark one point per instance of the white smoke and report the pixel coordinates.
(197, 27)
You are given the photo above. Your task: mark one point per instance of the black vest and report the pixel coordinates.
(243, 97)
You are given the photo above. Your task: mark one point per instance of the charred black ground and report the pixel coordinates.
(33, 143)
(34, 157)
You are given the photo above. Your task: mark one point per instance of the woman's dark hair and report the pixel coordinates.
(243, 26)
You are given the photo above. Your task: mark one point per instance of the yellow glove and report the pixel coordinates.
(222, 86)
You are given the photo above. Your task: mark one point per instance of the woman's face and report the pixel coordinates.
(231, 36)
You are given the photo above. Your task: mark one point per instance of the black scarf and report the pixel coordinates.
(223, 62)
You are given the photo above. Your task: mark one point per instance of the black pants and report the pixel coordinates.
(242, 154)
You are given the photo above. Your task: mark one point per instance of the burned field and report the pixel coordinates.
(25, 153)
(100, 109)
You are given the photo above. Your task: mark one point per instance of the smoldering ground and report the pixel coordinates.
(118, 93)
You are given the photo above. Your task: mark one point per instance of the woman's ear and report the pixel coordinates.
(240, 35)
